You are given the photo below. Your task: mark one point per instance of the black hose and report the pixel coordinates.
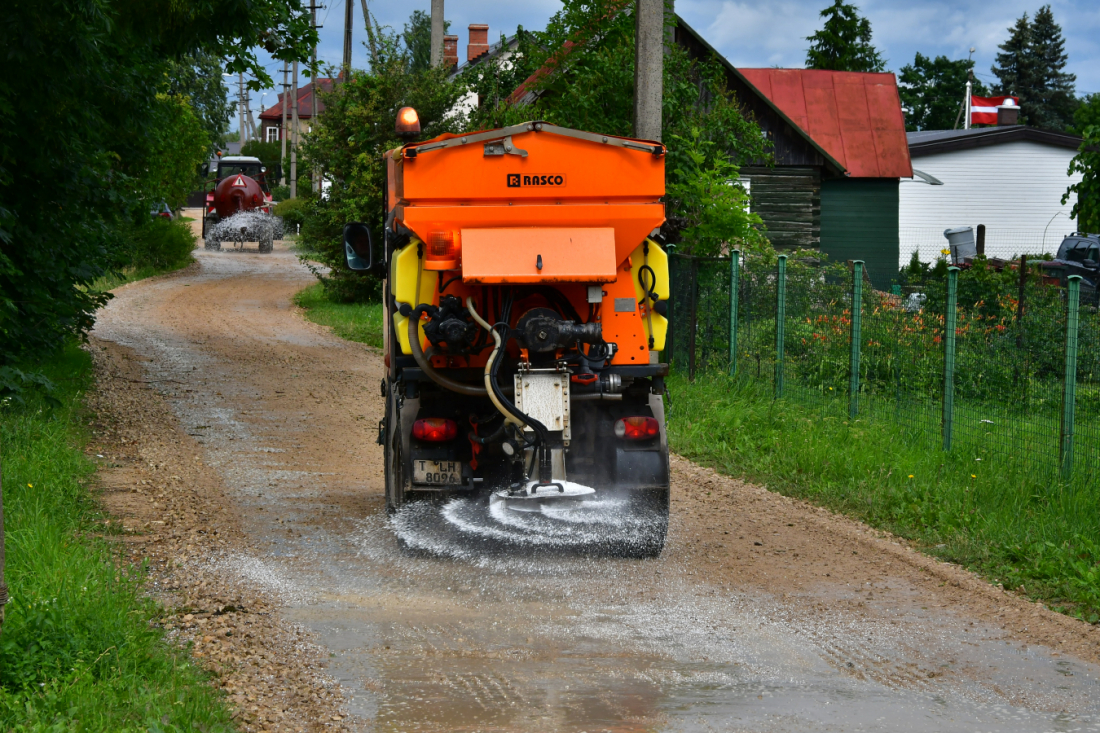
(541, 432)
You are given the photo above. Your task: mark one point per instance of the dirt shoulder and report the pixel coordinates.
(175, 513)
(746, 536)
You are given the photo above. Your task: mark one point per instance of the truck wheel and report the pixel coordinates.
(213, 245)
(392, 458)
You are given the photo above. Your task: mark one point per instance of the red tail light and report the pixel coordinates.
(637, 428)
(435, 429)
(442, 251)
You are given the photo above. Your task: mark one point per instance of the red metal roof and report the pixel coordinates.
(856, 117)
(305, 102)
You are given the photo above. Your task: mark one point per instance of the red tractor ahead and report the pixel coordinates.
(239, 208)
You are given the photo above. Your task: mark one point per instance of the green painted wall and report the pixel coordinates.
(859, 221)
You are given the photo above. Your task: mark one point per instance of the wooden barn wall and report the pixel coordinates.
(789, 201)
(789, 147)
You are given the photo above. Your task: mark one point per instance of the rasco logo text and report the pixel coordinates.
(522, 180)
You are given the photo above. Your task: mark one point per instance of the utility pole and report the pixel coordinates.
(294, 143)
(240, 107)
(282, 130)
(437, 33)
(649, 51)
(313, 84)
(349, 18)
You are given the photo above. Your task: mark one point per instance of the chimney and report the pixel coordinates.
(1008, 113)
(479, 41)
(450, 52)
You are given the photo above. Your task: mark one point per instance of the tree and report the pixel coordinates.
(347, 143)
(580, 74)
(197, 78)
(1087, 113)
(844, 42)
(1031, 66)
(933, 90)
(1086, 210)
(1052, 90)
(417, 37)
(82, 131)
(1014, 67)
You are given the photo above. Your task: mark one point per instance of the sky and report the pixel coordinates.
(756, 34)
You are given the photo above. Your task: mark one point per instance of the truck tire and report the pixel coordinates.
(213, 245)
(392, 459)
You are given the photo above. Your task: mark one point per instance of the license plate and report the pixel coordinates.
(438, 473)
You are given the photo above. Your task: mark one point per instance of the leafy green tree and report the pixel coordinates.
(1031, 66)
(1087, 113)
(81, 127)
(197, 78)
(581, 70)
(347, 143)
(933, 90)
(1086, 210)
(175, 153)
(844, 42)
(269, 153)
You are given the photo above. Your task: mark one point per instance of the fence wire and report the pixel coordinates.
(1009, 361)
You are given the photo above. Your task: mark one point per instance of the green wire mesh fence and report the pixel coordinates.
(983, 362)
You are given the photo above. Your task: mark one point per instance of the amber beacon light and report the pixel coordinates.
(408, 122)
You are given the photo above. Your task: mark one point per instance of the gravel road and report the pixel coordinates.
(223, 410)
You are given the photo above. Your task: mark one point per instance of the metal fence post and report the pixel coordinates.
(735, 281)
(1069, 392)
(857, 327)
(950, 323)
(780, 319)
(693, 317)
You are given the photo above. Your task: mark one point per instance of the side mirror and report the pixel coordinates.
(358, 250)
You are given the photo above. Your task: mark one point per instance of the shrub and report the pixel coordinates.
(292, 212)
(160, 244)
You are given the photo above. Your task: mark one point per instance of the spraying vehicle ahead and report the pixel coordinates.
(523, 320)
(239, 207)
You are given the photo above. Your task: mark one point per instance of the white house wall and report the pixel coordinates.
(1015, 189)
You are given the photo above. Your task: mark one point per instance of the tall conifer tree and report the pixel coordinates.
(844, 42)
(1052, 95)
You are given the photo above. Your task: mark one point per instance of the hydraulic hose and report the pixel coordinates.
(508, 416)
(422, 361)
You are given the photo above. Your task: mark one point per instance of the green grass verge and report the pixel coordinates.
(79, 650)
(1003, 521)
(360, 322)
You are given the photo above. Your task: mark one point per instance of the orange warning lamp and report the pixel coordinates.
(442, 251)
(408, 122)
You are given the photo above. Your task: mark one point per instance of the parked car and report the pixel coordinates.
(162, 209)
(1079, 254)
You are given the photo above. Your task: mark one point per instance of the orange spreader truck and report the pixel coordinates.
(524, 296)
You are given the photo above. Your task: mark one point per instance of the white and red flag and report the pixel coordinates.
(983, 110)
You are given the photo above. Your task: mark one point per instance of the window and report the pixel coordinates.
(273, 134)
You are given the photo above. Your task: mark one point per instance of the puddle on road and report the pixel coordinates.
(498, 620)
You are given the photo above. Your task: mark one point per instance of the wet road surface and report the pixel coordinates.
(761, 615)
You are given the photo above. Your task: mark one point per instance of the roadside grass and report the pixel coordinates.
(79, 649)
(1017, 528)
(361, 322)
